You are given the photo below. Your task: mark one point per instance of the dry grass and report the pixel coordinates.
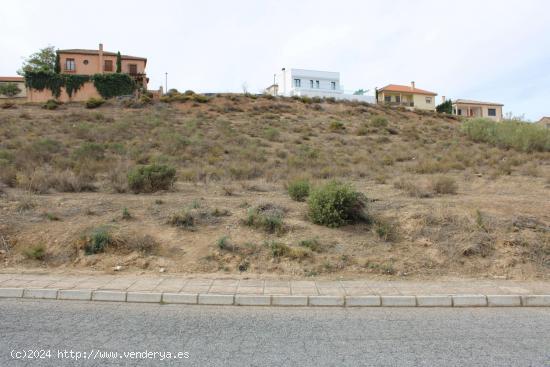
(442, 204)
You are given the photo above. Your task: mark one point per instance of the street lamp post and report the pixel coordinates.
(166, 82)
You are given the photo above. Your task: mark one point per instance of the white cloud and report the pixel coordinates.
(490, 50)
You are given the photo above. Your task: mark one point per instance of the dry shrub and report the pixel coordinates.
(144, 244)
(412, 189)
(118, 176)
(43, 180)
(444, 185)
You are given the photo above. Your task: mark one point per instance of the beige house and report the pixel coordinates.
(407, 96)
(469, 108)
(17, 80)
(544, 122)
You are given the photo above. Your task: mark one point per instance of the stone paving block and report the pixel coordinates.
(276, 290)
(184, 298)
(278, 300)
(216, 299)
(143, 297)
(250, 300)
(536, 300)
(326, 300)
(222, 290)
(40, 293)
(502, 300)
(305, 291)
(250, 290)
(75, 294)
(434, 301)
(469, 300)
(363, 301)
(11, 292)
(398, 301)
(109, 296)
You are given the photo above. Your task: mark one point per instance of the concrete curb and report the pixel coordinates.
(458, 300)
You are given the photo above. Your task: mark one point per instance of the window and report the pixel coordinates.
(333, 85)
(297, 83)
(397, 99)
(69, 65)
(317, 84)
(132, 68)
(85, 62)
(428, 99)
(387, 98)
(311, 84)
(108, 65)
(459, 112)
(492, 111)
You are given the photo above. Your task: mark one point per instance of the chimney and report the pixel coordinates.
(412, 85)
(101, 47)
(443, 99)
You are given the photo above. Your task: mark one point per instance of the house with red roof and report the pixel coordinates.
(406, 96)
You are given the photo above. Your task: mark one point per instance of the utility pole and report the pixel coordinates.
(166, 81)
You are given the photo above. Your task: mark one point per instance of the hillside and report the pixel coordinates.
(439, 203)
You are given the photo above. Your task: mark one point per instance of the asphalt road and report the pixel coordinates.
(246, 336)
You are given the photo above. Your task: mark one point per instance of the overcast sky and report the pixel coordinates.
(487, 50)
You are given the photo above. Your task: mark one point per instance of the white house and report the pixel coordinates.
(311, 83)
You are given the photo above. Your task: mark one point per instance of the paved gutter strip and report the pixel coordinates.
(278, 300)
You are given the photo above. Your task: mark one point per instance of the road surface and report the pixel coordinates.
(106, 334)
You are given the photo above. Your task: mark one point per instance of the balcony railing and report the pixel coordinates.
(402, 103)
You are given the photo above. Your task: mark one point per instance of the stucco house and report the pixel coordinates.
(17, 80)
(544, 122)
(407, 96)
(311, 83)
(89, 62)
(470, 108)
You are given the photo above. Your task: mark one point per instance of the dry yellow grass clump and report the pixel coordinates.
(221, 184)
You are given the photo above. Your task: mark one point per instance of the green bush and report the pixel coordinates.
(151, 178)
(36, 252)
(94, 102)
(336, 126)
(98, 241)
(298, 190)
(379, 121)
(518, 135)
(51, 104)
(312, 244)
(93, 151)
(268, 217)
(336, 204)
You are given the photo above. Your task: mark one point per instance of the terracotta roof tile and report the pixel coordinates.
(469, 101)
(405, 89)
(96, 52)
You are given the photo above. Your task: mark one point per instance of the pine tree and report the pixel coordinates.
(57, 67)
(118, 62)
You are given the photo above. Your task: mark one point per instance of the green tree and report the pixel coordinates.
(9, 89)
(42, 60)
(445, 107)
(118, 62)
(376, 94)
(359, 92)
(57, 67)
